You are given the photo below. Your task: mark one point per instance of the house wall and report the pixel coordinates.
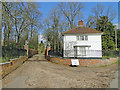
(94, 41)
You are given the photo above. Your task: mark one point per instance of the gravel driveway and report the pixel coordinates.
(37, 72)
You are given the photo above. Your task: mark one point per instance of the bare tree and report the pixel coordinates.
(97, 11)
(71, 11)
(18, 18)
(60, 19)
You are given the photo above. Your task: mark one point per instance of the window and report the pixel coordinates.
(81, 37)
(77, 37)
(85, 37)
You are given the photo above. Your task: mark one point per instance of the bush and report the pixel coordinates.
(5, 59)
(12, 52)
(110, 53)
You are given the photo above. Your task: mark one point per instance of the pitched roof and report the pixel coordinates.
(82, 30)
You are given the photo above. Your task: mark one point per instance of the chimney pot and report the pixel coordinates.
(80, 23)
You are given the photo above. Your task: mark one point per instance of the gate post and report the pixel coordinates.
(47, 49)
(26, 48)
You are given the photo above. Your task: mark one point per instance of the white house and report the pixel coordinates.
(82, 42)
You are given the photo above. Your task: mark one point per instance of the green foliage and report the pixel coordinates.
(110, 54)
(107, 41)
(11, 44)
(5, 59)
(33, 42)
(12, 52)
(41, 48)
(118, 38)
(108, 38)
(103, 65)
(118, 62)
(104, 25)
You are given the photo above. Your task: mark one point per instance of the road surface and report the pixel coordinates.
(37, 72)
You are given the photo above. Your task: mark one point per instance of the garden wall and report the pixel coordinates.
(83, 62)
(32, 52)
(7, 67)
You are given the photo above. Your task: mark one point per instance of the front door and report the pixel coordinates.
(79, 51)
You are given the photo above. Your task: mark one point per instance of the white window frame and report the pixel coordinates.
(82, 38)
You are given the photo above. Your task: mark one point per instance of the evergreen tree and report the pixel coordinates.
(108, 38)
(118, 39)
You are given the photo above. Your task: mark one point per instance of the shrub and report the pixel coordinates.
(12, 52)
(5, 59)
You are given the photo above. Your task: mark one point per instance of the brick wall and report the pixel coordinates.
(7, 67)
(83, 62)
(30, 52)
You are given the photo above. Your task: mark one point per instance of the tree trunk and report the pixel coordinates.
(18, 40)
(31, 30)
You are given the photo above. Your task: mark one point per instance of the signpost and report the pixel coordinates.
(75, 61)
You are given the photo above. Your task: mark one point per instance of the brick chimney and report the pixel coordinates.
(80, 23)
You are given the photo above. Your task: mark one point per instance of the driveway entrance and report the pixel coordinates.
(37, 72)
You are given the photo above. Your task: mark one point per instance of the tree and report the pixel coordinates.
(108, 38)
(41, 47)
(56, 23)
(7, 21)
(97, 11)
(19, 22)
(71, 11)
(51, 31)
(118, 38)
(103, 24)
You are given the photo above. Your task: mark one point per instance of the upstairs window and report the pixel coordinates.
(82, 37)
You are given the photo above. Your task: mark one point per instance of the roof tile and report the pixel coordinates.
(81, 30)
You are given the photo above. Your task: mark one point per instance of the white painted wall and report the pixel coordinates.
(94, 41)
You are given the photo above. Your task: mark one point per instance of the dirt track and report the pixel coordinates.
(37, 72)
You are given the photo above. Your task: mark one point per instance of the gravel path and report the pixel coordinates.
(37, 72)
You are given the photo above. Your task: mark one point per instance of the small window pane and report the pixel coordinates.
(77, 37)
(81, 37)
(86, 37)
